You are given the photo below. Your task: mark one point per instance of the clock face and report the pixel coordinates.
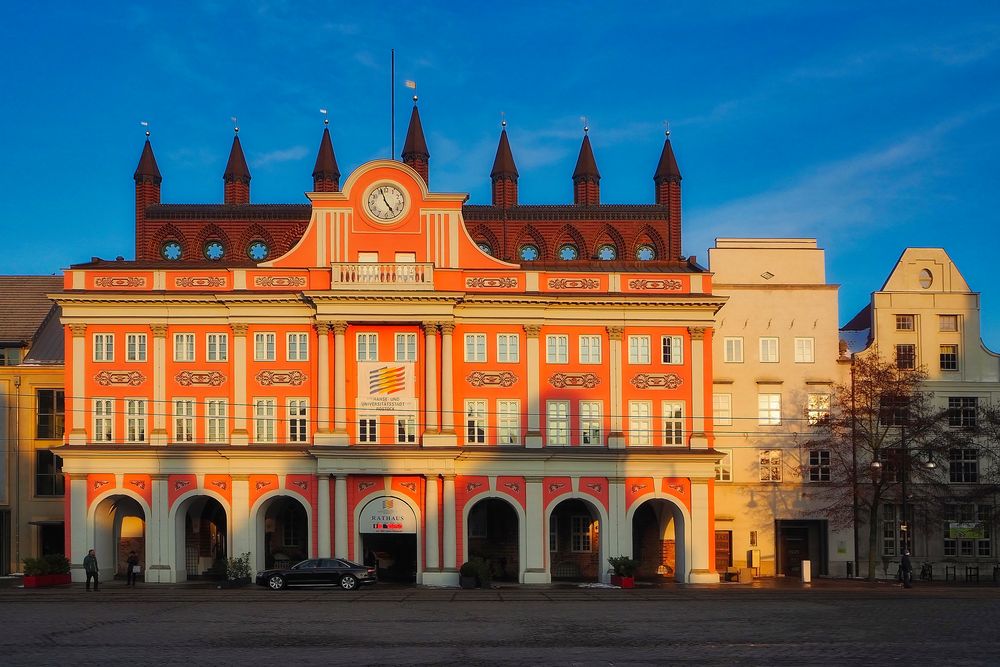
(386, 202)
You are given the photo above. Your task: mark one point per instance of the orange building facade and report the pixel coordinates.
(374, 379)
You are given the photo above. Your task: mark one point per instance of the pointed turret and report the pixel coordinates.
(504, 173)
(237, 175)
(667, 181)
(415, 151)
(326, 173)
(586, 177)
(147, 192)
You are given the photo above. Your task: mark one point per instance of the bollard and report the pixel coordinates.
(850, 569)
(806, 571)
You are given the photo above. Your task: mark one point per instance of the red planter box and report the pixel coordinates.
(624, 582)
(43, 580)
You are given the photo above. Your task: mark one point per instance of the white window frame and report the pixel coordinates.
(951, 364)
(805, 350)
(184, 420)
(406, 429)
(476, 422)
(216, 421)
(264, 346)
(906, 322)
(589, 349)
(724, 468)
(135, 347)
(475, 348)
(769, 461)
(297, 419)
(297, 346)
(184, 347)
(557, 430)
(366, 344)
(768, 409)
(732, 349)
(581, 540)
(673, 423)
(508, 422)
(592, 423)
(104, 420)
(557, 349)
(638, 350)
(948, 328)
(265, 418)
(640, 423)
(722, 409)
(765, 345)
(817, 408)
(368, 429)
(104, 347)
(136, 423)
(216, 347)
(508, 348)
(672, 350)
(406, 346)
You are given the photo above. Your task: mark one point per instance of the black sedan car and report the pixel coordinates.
(319, 572)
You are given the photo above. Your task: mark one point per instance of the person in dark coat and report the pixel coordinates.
(906, 569)
(131, 567)
(90, 567)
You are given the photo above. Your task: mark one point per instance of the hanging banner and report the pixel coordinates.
(387, 387)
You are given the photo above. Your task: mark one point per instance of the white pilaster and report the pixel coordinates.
(619, 532)
(430, 378)
(239, 540)
(698, 438)
(160, 409)
(78, 434)
(323, 516)
(447, 378)
(701, 524)
(533, 436)
(322, 435)
(616, 437)
(156, 569)
(449, 536)
(80, 533)
(340, 511)
(535, 534)
(239, 435)
(341, 435)
(431, 528)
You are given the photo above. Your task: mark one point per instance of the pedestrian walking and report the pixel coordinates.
(90, 567)
(906, 569)
(133, 569)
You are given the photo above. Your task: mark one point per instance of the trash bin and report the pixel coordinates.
(806, 571)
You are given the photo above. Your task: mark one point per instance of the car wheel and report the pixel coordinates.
(348, 582)
(275, 582)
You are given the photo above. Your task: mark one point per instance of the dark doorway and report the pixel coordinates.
(393, 554)
(493, 536)
(286, 532)
(574, 542)
(52, 538)
(205, 541)
(799, 541)
(723, 550)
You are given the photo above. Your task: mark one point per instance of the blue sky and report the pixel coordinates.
(871, 126)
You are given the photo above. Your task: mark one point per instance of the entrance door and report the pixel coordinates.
(723, 550)
(394, 556)
(794, 548)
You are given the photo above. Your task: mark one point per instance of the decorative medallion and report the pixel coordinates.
(654, 284)
(98, 483)
(491, 379)
(301, 484)
(293, 378)
(411, 486)
(181, 483)
(555, 486)
(574, 283)
(679, 488)
(279, 281)
(656, 381)
(219, 484)
(108, 378)
(636, 488)
(472, 486)
(364, 486)
(199, 281)
(190, 378)
(111, 281)
(262, 483)
(574, 380)
(596, 487)
(491, 282)
(139, 483)
(513, 486)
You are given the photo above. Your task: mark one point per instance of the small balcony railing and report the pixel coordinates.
(383, 275)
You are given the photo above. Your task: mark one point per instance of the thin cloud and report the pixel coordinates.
(281, 155)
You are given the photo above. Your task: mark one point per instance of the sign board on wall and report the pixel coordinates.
(387, 387)
(972, 530)
(387, 515)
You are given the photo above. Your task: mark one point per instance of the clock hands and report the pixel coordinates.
(387, 204)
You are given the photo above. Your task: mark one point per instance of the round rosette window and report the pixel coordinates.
(258, 251)
(171, 251)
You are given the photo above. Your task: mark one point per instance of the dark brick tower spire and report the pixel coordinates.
(236, 176)
(147, 191)
(504, 173)
(667, 181)
(415, 147)
(586, 177)
(326, 173)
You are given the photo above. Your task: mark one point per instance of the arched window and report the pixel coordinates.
(645, 252)
(258, 251)
(528, 252)
(926, 278)
(214, 250)
(607, 252)
(568, 251)
(170, 250)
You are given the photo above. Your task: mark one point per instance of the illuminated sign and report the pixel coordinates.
(387, 515)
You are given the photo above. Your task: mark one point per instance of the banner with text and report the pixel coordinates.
(387, 387)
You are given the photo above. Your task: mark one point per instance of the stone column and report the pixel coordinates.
(616, 437)
(323, 516)
(159, 406)
(80, 414)
(447, 378)
(157, 565)
(449, 537)
(340, 522)
(702, 536)
(430, 378)
(620, 531)
(342, 436)
(431, 528)
(533, 436)
(81, 536)
(239, 529)
(322, 434)
(535, 534)
(240, 435)
(698, 405)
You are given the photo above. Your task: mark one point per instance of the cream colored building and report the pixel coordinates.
(776, 360)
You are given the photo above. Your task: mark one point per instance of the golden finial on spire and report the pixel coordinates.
(503, 120)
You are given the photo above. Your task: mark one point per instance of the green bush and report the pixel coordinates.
(239, 567)
(623, 566)
(478, 568)
(48, 564)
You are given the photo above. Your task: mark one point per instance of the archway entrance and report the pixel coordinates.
(388, 529)
(284, 539)
(119, 527)
(575, 542)
(658, 541)
(493, 536)
(202, 539)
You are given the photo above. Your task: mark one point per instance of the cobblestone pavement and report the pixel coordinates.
(790, 624)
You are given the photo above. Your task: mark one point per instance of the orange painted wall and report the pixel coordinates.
(656, 396)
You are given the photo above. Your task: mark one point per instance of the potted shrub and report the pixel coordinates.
(475, 573)
(50, 570)
(623, 571)
(237, 571)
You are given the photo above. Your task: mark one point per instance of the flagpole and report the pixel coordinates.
(392, 112)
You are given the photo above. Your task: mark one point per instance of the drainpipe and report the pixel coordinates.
(16, 495)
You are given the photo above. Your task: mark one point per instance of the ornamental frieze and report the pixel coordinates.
(279, 281)
(574, 283)
(193, 378)
(120, 281)
(109, 378)
(293, 378)
(505, 283)
(491, 379)
(199, 281)
(574, 380)
(654, 284)
(656, 381)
